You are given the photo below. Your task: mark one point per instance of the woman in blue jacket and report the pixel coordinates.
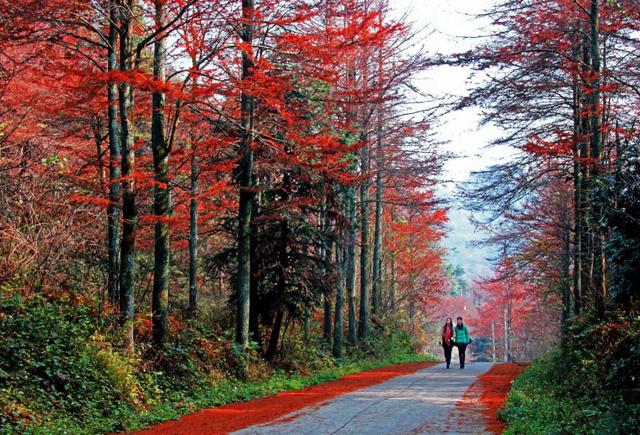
(462, 339)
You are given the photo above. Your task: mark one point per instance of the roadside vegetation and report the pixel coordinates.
(62, 373)
(591, 389)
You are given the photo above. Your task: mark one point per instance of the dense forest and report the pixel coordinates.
(206, 201)
(198, 187)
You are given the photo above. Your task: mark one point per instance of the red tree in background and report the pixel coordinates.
(519, 320)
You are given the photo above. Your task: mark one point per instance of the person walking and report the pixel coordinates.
(462, 339)
(447, 340)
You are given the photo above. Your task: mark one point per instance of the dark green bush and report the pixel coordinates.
(59, 372)
(47, 366)
(592, 387)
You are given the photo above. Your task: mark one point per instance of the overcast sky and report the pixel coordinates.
(449, 26)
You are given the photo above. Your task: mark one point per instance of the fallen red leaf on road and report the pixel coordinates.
(487, 395)
(236, 416)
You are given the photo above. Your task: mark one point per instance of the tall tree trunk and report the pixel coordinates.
(376, 291)
(307, 304)
(161, 206)
(254, 308)
(351, 265)
(376, 288)
(338, 324)
(246, 181)
(326, 318)
(578, 259)
(325, 254)
(599, 271)
(275, 335)
(505, 337)
(129, 209)
(193, 237)
(363, 327)
(392, 287)
(566, 274)
(564, 213)
(113, 210)
(283, 267)
(585, 203)
(578, 175)
(509, 320)
(307, 322)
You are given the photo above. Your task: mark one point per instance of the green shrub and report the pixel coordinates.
(60, 373)
(591, 387)
(47, 368)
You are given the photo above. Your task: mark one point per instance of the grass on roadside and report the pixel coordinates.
(60, 374)
(592, 388)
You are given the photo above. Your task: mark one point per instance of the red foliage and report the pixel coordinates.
(236, 416)
(487, 395)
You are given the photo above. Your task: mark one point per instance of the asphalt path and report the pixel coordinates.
(421, 403)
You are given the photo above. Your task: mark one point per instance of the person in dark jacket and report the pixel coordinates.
(462, 339)
(447, 340)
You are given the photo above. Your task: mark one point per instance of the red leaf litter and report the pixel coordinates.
(235, 416)
(487, 395)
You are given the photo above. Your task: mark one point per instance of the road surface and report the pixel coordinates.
(420, 403)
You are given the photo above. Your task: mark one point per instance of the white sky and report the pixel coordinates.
(449, 26)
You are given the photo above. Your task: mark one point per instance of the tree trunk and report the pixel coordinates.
(599, 264)
(283, 267)
(566, 275)
(307, 322)
(338, 325)
(325, 255)
(578, 259)
(193, 237)
(275, 336)
(254, 309)
(376, 291)
(326, 319)
(509, 314)
(113, 210)
(505, 355)
(392, 287)
(586, 245)
(161, 206)
(307, 305)
(246, 181)
(351, 265)
(129, 209)
(363, 327)
(564, 214)
(493, 342)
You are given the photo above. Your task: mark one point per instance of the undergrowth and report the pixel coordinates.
(59, 372)
(593, 387)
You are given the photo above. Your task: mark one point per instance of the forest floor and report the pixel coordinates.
(415, 398)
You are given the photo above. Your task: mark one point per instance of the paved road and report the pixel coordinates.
(420, 403)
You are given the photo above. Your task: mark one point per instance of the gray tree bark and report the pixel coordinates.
(599, 282)
(325, 255)
(246, 183)
(376, 291)
(193, 237)
(351, 265)
(113, 210)
(129, 208)
(338, 325)
(363, 327)
(161, 206)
